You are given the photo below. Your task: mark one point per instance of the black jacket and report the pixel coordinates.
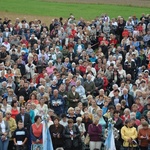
(75, 143)
(57, 142)
(129, 99)
(98, 83)
(119, 124)
(27, 121)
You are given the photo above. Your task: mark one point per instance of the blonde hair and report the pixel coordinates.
(69, 109)
(79, 119)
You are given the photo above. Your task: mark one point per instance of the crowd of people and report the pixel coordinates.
(81, 75)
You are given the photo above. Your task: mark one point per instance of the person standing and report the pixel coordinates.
(71, 135)
(56, 131)
(12, 127)
(36, 131)
(25, 117)
(129, 135)
(144, 136)
(95, 131)
(20, 137)
(4, 133)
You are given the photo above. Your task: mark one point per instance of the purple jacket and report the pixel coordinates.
(95, 132)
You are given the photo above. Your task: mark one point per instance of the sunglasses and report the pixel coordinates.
(8, 114)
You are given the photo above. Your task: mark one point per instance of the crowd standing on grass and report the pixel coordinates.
(81, 75)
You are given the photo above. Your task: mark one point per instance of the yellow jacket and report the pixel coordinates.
(127, 133)
(12, 125)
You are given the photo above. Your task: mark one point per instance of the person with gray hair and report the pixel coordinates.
(135, 122)
(127, 97)
(77, 111)
(114, 87)
(80, 89)
(81, 127)
(57, 103)
(89, 85)
(3, 88)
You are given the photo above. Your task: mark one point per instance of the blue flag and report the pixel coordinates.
(47, 141)
(110, 141)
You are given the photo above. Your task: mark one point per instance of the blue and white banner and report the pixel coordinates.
(47, 141)
(110, 140)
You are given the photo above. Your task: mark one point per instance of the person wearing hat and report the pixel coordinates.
(12, 126)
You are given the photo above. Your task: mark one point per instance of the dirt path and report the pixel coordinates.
(13, 16)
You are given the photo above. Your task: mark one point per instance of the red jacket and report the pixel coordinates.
(105, 80)
(82, 69)
(146, 133)
(125, 33)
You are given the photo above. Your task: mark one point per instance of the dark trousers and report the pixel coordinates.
(72, 148)
(11, 145)
(143, 148)
(20, 147)
(130, 148)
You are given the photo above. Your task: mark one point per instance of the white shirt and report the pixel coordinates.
(63, 123)
(2, 124)
(79, 48)
(6, 108)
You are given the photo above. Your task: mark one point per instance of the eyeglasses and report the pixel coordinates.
(8, 114)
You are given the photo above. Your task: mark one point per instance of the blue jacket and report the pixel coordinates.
(59, 109)
(76, 46)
